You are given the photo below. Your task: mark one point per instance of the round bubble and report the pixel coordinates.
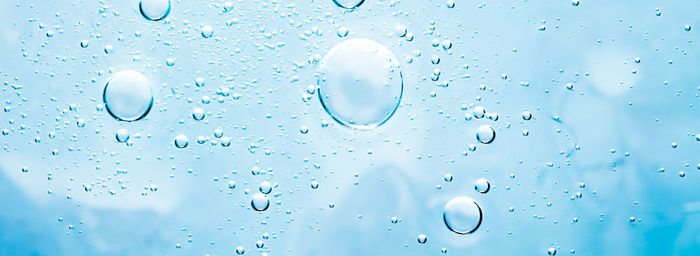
(154, 9)
(360, 83)
(348, 4)
(462, 215)
(128, 96)
(482, 185)
(485, 134)
(181, 141)
(260, 202)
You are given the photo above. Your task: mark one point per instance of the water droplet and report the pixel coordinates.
(181, 141)
(228, 6)
(314, 184)
(265, 187)
(422, 238)
(485, 134)
(240, 250)
(348, 4)
(128, 96)
(551, 251)
(450, 3)
(304, 129)
(686, 27)
(342, 32)
(260, 202)
(199, 81)
(154, 9)
(448, 177)
(207, 31)
(198, 114)
(84, 43)
(482, 185)
(122, 135)
(527, 115)
(360, 83)
(575, 2)
(462, 215)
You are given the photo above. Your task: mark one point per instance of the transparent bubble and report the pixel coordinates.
(122, 135)
(199, 81)
(128, 96)
(482, 185)
(575, 2)
(240, 250)
(342, 32)
(154, 9)
(314, 184)
(198, 114)
(485, 134)
(448, 177)
(181, 141)
(260, 202)
(207, 31)
(422, 238)
(462, 215)
(265, 187)
(686, 27)
(348, 4)
(527, 115)
(360, 83)
(551, 251)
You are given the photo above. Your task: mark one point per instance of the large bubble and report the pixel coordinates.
(128, 96)
(360, 83)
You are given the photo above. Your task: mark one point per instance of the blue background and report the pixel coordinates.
(262, 58)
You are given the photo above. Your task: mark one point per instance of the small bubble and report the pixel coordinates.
(686, 27)
(154, 10)
(400, 30)
(304, 129)
(207, 31)
(450, 3)
(84, 43)
(551, 251)
(575, 2)
(485, 134)
(342, 32)
(422, 238)
(265, 187)
(260, 202)
(122, 135)
(240, 250)
(199, 81)
(482, 185)
(198, 114)
(448, 177)
(348, 4)
(314, 184)
(181, 141)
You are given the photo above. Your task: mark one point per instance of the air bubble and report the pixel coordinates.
(154, 10)
(348, 4)
(122, 135)
(360, 83)
(462, 215)
(260, 202)
(482, 185)
(181, 141)
(128, 96)
(485, 134)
